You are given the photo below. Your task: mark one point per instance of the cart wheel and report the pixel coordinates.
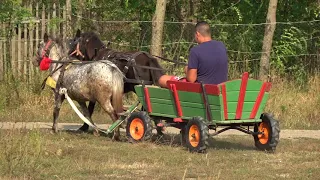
(270, 137)
(196, 135)
(183, 136)
(139, 127)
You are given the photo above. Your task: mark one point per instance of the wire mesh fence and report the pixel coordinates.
(295, 44)
(295, 50)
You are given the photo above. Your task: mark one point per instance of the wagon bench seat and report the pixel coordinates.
(238, 99)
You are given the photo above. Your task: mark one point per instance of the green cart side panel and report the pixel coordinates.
(197, 98)
(191, 112)
(233, 85)
(188, 112)
(162, 103)
(183, 104)
(191, 97)
(247, 107)
(164, 109)
(254, 85)
(262, 105)
(238, 121)
(251, 96)
(245, 115)
(252, 91)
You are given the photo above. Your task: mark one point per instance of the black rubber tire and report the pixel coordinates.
(147, 125)
(183, 136)
(274, 133)
(203, 132)
(159, 129)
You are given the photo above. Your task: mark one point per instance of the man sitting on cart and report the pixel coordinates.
(208, 61)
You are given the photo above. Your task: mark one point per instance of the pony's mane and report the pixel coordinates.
(93, 37)
(58, 40)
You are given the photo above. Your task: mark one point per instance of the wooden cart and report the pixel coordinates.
(195, 108)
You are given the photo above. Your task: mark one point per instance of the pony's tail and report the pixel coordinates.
(117, 90)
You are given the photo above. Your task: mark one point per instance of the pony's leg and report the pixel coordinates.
(111, 112)
(86, 113)
(85, 127)
(58, 99)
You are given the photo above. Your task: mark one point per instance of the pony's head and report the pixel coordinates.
(84, 45)
(49, 48)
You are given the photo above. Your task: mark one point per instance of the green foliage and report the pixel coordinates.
(287, 49)
(11, 10)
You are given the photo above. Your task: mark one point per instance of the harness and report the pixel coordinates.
(129, 58)
(116, 57)
(49, 80)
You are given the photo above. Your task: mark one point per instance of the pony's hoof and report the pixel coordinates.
(115, 138)
(83, 129)
(54, 130)
(96, 133)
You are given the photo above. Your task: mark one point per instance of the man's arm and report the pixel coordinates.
(191, 69)
(192, 75)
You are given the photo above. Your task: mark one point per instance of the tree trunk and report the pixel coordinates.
(267, 40)
(79, 13)
(194, 9)
(157, 27)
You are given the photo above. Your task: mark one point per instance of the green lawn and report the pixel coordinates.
(42, 155)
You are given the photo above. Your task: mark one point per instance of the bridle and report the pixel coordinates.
(46, 49)
(77, 51)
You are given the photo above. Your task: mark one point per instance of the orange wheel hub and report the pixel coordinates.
(264, 128)
(194, 135)
(136, 129)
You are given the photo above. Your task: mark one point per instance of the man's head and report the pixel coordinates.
(202, 32)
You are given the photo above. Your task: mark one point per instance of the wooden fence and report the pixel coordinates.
(16, 53)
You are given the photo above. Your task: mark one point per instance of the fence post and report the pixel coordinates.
(19, 48)
(5, 51)
(37, 35)
(64, 25)
(1, 58)
(68, 19)
(25, 56)
(30, 54)
(48, 21)
(13, 51)
(54, 16)
(43, 21)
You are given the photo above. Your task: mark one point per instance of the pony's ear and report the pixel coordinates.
(45, 37)
(78, 34)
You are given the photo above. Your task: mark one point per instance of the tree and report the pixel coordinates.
(267, 40)
(157, 27)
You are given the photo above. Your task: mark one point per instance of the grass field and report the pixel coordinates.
(39, 154)
(295, 108)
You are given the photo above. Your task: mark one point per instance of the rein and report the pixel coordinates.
(78, 52)
(169, 60)
(111, 55)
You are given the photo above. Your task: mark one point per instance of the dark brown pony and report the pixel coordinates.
(88, 46)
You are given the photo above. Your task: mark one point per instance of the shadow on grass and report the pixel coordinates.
(214, 143)
(173, 140)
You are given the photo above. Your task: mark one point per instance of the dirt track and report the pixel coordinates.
(286, 134)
